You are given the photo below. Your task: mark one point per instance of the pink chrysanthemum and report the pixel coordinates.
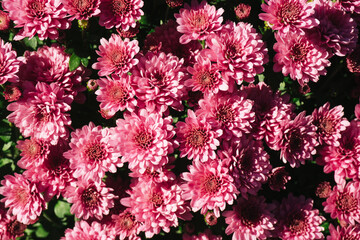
(158, 81)
(9, 64)
(51, 64)
(11, 228)
(116, 55)
(344, 202)
(343, 159)
(298, 140)
(33, 152)
(198, 21)
(206, 235)
(92, 152)
(351, 6)
(83, 230)
(205, 77)
(4, 21)
(239, 51)
(209, 186)
(41, 114)
(230, 112)
(89, 199)
(42, 17)
(120, 13)
(11, 93)
(126, 226)
(353, 60)
(81, 9)
(250, 219)
(242, 11)
(337, 30)
(145, 140)
(330, 123)
(157, 205)
(22, 198)
(300, 58)
(289, 15)
(298, 220)
(115, 93)
(248, 163)
(340, 233)
(197, 140)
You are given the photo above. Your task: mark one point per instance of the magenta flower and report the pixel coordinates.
(116, 94)
(11, 228)
(339, 233)
(9, 64)
(198, 21)
(33, 152)
(289, 15)
(351, 6)
(116, 55)
(126, 226)
(83, 230)
(42, 113)
(209, 186)
(196, 138)
(4, 21)
(206, 235)
(250, 219)
(42, 17)
(242, 11)
(278, 178)
(353, 60)
(92, 152)
(81, 9)
(120, 13)
(300, 58)
(344, 202)
(22, 198)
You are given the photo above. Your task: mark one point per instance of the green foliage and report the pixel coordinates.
(74, 62)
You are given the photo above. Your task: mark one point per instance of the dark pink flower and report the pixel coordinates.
(12, 93)
(323, 190)
(83, 230)
(174, 3)
(340, 233)
(242, 11)
(11, 228)
(353, 60)
(278, 178)
(198, 21)
(4, 21)
(9, 64)
(351, 6)
(33, 152)
(206, 235)
(81, 9)
(126, 226)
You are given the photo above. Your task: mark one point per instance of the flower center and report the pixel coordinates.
(246, 161)
(21, 195)
(119, 94)
(199, 21)
(16, 228)
(211, 184)
(289, 12)
(117, 57)
(295, 141)
(249, 213)
(225, 114)
(197, 138)
(143, 139)
(31, 149)
(157, 79)
(37, 8)
(298, 52)
(156, 199)
(346, 203)
(233, 50)
(90, 197)
(296, 222)
(83, 5)
(43, 114)
(206, 79)
(126, 221)
(95, 152)
(326, 126)
(121, 7)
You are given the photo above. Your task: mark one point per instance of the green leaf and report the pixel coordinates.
(62, 209)
(6, 146)
(74, 62)
(31, 43)
(41, 232)
(85, 62)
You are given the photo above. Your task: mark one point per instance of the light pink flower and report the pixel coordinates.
(33, 152)
(196, 138)
(116, 94)
(9, 64)
(348, 232)
(22, 198)
(42, 17)
(250, 219)
(198, 21)
(116, 55)
(209, 186)
(120, 13)
(84, 231)
(300, 58)
(126, 226)
(81, 9)
(42, 113)
(289, 15)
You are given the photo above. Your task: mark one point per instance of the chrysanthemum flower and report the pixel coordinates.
(4, 21)
(22, 198)
(278, 178)
(89, 199)
(337, 30)
(289, 15)
(11, 228)
(126, 226)
(198, 21)
(250, 219)
(92, 152)
(197, 140)
(323, 190)
(145, 140)
(116, 55)
(209, 186)
(206, 235)
(12, 93)
(239, 51)
(33, 152)
(81, 9)
(232, 113)
(343, 160)
(156, 205)
(339, 233)
(174, 3)
(9, 64)
(300, 58)
(353, 60)
(351, 6)
(42, 17)
(344, 202)
(297, 219)
(120, 13)
(42, 113)
(83, 230)
(298, 140)
(330, 123)
(158, 80)
(115, 93)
